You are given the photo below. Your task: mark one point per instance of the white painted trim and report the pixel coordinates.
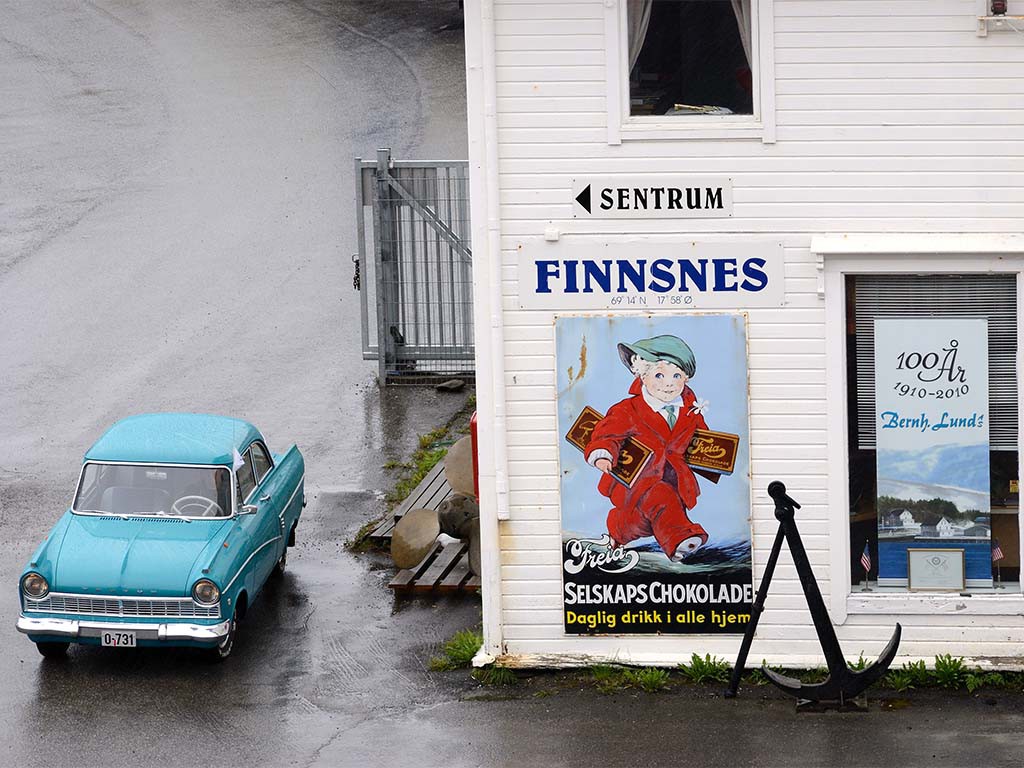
(1020, 421)
(911, 603)
(487, 308)
(915, 243)
(838, 485)
(895, 254)
(614, 65)
(754, 661)
(623, 126)
(763, 44)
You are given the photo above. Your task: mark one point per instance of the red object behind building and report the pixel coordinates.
(476, 462)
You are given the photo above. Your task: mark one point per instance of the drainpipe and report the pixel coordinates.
(481, 97)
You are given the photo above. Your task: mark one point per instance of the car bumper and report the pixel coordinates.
(68, 630)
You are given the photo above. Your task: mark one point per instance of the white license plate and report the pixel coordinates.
(118, 639)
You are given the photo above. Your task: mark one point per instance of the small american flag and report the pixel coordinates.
(997, 552)
(865, 559)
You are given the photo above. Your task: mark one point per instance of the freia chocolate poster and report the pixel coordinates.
(654, 481)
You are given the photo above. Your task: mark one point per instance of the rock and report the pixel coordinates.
(413, 537)
(458, 467)
(452, 385)
(455, 513)
(474, 546)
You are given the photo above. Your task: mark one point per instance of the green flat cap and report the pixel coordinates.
(672, 349)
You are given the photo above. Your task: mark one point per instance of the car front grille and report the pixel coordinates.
(88, 605)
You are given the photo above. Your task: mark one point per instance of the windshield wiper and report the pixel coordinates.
(100, 512)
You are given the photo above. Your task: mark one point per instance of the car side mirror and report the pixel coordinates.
(248, 509)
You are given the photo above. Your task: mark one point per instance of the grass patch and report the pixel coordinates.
(501, 677)
(361, 542)
(431, 449)
(709, 669)
(457, 652)
(608, 679)
(649, 679)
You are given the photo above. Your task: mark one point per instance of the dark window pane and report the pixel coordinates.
(689, 57)
(260, 461)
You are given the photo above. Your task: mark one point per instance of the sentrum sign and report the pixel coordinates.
(651, 197)
(643, 274)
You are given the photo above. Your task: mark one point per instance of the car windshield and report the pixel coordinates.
(124, 489)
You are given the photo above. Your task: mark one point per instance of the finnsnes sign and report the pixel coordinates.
(651, 197)
(644, 274)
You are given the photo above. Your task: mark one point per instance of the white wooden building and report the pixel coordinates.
(873, 152)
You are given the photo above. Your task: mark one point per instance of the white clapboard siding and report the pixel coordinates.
(890, 117)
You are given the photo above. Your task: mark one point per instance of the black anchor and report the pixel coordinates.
(842, 683)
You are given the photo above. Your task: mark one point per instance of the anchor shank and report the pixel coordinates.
(755, 614)
(819, 614)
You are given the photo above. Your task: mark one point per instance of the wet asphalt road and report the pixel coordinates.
(176, 221)
(175, 228)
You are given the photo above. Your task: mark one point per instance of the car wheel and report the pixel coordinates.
(279, 568)
(227, 644)
(53, 650)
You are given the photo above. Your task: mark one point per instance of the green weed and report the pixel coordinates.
(860, 664)
(495, 676)
(814, 675)
(950, 672)
(608, 679)
(917, 673)
(756, 677)
(976, 680)
(900, 680)
(650, 679)
(709, 669)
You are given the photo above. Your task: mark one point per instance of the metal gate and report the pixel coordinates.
(414, 268)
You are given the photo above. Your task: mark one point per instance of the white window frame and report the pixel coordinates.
(622, 126)
(842, 255)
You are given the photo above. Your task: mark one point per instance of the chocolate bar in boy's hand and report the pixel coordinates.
(710, 454)
(633, 455)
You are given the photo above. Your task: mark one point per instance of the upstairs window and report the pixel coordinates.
(688, 58)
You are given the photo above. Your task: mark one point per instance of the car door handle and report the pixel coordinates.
(265, 498)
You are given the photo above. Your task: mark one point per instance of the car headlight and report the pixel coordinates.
(205, 592)
(34, 586)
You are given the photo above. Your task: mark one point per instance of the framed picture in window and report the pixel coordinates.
(935, 570)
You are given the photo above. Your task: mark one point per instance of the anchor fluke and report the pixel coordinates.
(842, 683)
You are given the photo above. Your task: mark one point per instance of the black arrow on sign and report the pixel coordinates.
(583, 198)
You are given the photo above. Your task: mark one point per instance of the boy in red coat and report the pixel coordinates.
(662, 413)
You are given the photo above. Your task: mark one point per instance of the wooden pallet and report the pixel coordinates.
(445, 569)
(429, 494)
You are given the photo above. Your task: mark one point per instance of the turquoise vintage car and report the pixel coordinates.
(178, 521)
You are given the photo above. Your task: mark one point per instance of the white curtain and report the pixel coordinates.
(742, 10)
(638, 16)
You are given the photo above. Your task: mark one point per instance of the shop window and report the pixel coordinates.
(688, 58)
(930, 491)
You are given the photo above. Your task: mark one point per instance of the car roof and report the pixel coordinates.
(174, 438)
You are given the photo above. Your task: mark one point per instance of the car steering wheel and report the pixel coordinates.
(206, 506)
